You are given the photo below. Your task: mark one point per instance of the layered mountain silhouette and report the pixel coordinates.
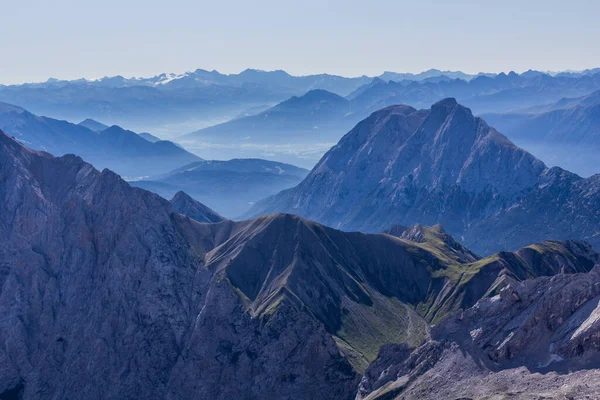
(121, 150)
(305, 123)
(442, 165)
(93, 125)
(316, 116)
(108, 292)
(231, 187)
(175, 103)
(566, 133)
(150, 137)
(484, 94)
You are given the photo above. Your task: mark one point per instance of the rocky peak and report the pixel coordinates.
(186, 205)
(406, 166)
(396, 230)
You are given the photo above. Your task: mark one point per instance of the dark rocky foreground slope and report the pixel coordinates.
(443, 165)
(534, 340)
(107, 292)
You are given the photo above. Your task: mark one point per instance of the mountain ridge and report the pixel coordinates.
(114, 147)
(110, 276)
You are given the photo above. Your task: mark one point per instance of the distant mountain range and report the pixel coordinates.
(305, 123)
(566, 132)
(172, 104)
(99, 127)
(150, 137)
(169, 104)
(108, 291)
(308, 121)
(500, 93)
(93, 125)
(118, 149)
(276, 79)
(442, 165)
(230, 187)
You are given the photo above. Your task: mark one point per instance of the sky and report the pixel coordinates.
(69, 39)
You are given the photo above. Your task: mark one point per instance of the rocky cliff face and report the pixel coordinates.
(107, 292)
(536, 339)
(442, 165)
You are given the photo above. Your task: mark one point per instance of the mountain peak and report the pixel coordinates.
(186, 205)
(317, 95)
(421, 166)
(93, 125)
(446, 106)
(447, 102)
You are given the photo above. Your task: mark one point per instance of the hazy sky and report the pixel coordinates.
(92, 38)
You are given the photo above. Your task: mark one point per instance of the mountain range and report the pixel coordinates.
(298, 130)
(93, 125)
(442, 165)
(172, 104)
(107, 291)
(169, 104)
(566, 132)
(121, 150)
(231, 187)
(484, 94)
(301, 129)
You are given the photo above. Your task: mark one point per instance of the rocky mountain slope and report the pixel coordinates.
(107, 292)
(184, 204)
(535, 339)
(442, 165)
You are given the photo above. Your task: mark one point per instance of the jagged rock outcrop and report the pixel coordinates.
(501, 346)
(184, 204)
(436, 238)
(442, 165)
